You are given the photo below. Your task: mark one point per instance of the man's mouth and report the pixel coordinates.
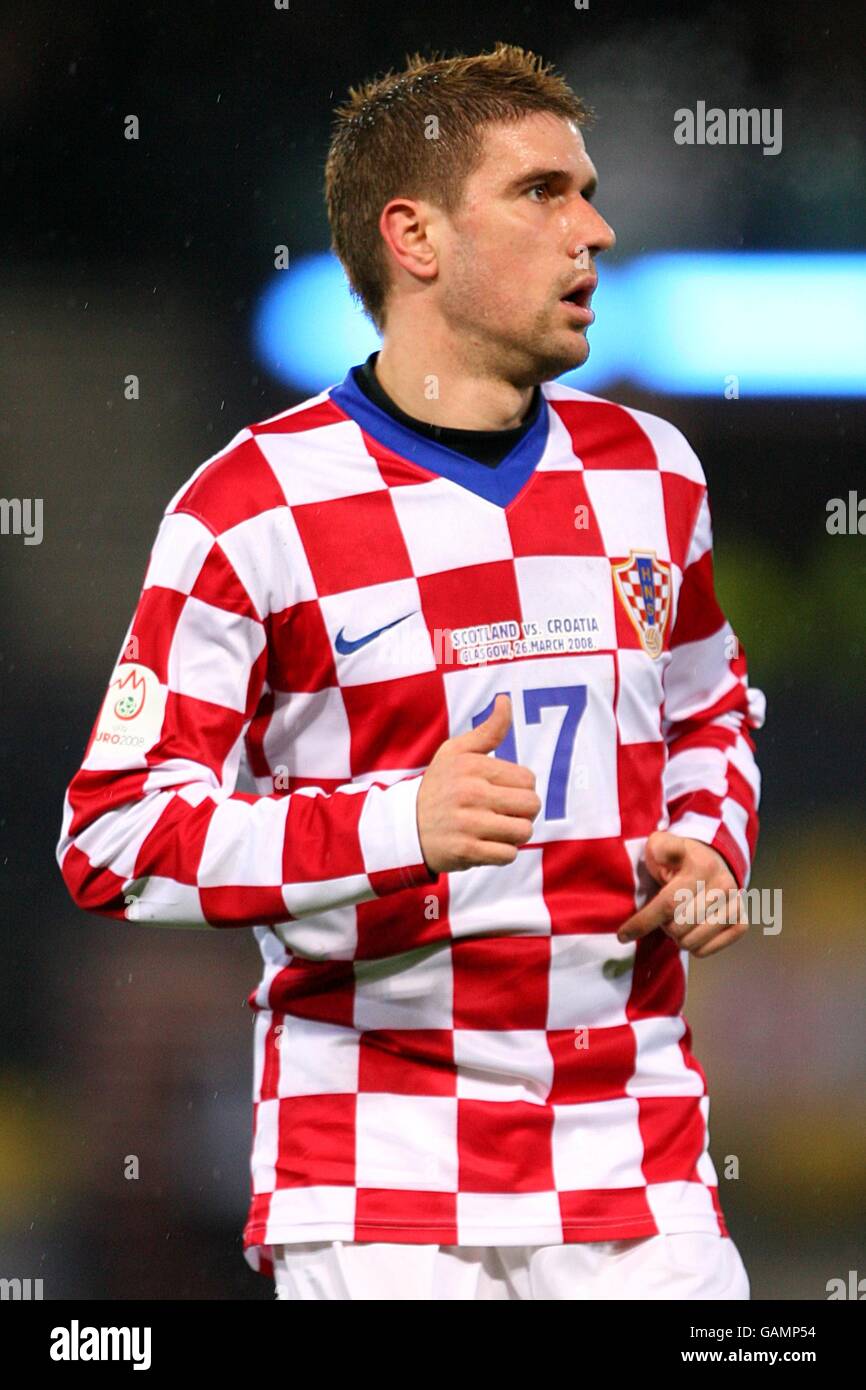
(578, 299)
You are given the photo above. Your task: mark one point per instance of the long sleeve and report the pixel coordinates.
(154, 828)
(712, 783)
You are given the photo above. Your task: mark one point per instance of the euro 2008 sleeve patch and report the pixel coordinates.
(131, 718)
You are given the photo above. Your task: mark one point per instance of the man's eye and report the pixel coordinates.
(535, 187)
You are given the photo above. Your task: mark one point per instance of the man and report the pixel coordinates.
(454, 626)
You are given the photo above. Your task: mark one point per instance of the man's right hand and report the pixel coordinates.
(473, 809)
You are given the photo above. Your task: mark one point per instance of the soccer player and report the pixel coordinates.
(428, 686)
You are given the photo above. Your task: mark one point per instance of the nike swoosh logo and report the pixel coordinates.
(346, 645)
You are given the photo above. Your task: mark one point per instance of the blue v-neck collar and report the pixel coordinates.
(499, 485)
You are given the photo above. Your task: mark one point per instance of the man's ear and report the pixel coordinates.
(403, 228)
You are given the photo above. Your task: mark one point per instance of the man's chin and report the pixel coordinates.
(581, 350)
(555, 361)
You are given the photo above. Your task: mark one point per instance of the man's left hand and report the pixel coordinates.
(681, 864)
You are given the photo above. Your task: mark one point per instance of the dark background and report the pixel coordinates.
(150, 257)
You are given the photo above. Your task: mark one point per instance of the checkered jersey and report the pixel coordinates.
(470, 1057)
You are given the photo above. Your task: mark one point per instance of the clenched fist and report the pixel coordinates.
(473, 809)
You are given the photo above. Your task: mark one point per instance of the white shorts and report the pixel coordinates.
(687, 1265)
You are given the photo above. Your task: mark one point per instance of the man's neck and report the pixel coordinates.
(488, 447)
(442, 391)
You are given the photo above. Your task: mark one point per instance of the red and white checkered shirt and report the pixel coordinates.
(469, 1058)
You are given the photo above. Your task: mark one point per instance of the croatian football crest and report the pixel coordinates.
(644, 585)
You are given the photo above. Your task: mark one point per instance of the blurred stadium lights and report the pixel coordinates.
(677, 323)
(308, 330)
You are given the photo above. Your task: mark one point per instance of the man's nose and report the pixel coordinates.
(588, 228)
(601, 235)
